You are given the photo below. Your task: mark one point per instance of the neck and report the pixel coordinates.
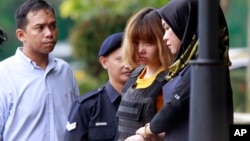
(41, 60)
(150, 70)
(117, 86)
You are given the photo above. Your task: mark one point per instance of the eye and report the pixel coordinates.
(166, 27)
(119, 59)
(148, 44)
(39, 27)
(53, 25)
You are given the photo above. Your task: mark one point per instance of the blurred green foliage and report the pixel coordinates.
(86, 9)
(239, 86)
(236, 16)
(86, 42)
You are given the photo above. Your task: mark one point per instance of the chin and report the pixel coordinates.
(173, 52)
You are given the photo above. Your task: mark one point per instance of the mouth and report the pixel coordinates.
(50, 43)
(127, 73)
(142, 58)
(168, 45)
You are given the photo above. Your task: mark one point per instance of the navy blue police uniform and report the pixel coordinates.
(93, 116)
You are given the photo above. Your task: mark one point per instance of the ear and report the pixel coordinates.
(20, 34)
(104, 62)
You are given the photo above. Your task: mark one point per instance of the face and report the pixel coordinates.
(40, 34)
(118, 72)
(147, 53)
(170, 39)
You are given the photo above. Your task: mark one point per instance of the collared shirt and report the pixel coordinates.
(93, 116)
(35, 103)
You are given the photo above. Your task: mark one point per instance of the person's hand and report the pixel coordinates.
(147, 134)
(145, 131)
(140, 131)
(135, 138)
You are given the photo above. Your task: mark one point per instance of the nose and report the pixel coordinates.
(48, 31)
(165, 38)
(127, 66)
(141, 48)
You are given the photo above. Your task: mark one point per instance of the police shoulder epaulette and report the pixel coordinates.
(89, 94)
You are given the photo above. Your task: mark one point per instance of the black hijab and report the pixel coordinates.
(182, 17)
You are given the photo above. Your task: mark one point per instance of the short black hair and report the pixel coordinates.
(3, 36)
(26, 7)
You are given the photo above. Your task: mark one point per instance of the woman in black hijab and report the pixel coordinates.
(180, 21)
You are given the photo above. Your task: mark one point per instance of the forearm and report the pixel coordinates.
(164, 120)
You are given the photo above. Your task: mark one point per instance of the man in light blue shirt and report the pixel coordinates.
(36, 89)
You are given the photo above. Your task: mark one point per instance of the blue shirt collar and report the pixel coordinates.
(112, 93)
(26, 59)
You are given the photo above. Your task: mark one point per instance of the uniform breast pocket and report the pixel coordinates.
(100, 131)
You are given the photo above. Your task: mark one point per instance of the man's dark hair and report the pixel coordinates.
(25, 8)
(3, 36)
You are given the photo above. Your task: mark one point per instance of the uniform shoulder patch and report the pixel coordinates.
(90, 94)
(71, 126)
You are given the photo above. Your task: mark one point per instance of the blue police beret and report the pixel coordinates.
(111, 43)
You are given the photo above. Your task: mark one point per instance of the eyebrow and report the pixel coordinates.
(41, 24)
